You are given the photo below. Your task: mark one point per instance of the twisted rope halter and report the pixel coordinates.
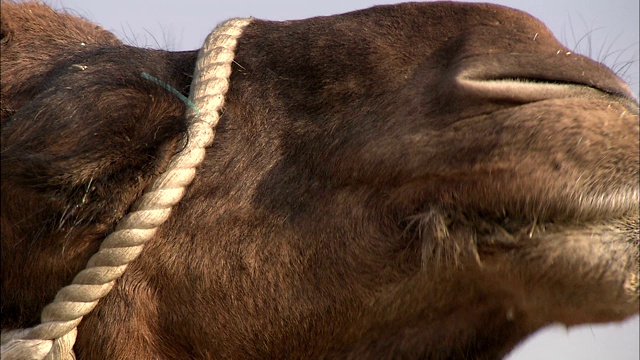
(55, 336)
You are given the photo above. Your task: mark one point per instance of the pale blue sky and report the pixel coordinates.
(613, 28)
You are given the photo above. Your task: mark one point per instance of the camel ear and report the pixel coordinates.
(80, 126)
(78, 146)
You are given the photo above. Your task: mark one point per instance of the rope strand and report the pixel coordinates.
(55, 336)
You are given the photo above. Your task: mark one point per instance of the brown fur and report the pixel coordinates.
(359, 200)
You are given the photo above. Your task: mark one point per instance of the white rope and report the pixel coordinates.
(55, 336)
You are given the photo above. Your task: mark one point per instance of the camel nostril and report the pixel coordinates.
(521, 90)
(533, 77)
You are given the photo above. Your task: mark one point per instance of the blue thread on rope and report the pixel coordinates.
(172, 90)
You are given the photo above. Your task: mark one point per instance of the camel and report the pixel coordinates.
(422, 180)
